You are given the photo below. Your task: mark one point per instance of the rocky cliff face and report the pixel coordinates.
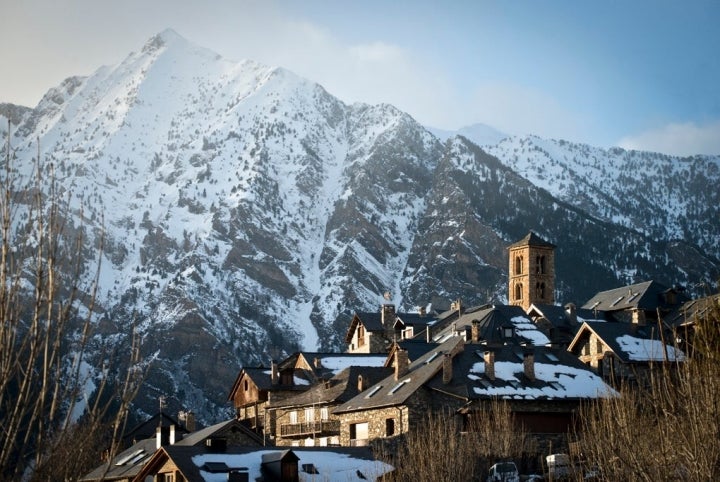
(247, 212)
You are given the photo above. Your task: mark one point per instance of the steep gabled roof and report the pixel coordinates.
(692, 310)
(630, 343)
(260, 376)
(126, 464)
(646, 296)
(558, 375)
(493, 320)
(391, 392)
(218, 430)
(339, 389)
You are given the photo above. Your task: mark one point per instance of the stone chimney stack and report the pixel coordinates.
(447, 368)
(638, 317)
(172, 434)
(274, 374)
(489, 358)
(317, 362)
(189, 418)
(529, 364)
(360, 383)
(401, 363)
(428, 334)
(388, 316)
(475, 331)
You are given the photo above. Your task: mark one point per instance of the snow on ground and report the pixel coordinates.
(331, 466)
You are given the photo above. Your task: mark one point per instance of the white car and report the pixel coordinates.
(504, 472)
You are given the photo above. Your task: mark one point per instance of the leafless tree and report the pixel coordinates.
(53, 404)
(669, 430)
(442, 449)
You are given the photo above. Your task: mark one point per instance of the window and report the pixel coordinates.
(389, 427)
(293, 417)
(518, 291)
(540, 264)
(518, 264)
(361, 335)
(310, 414)
(324, 414)
(507, 332)
(247, 385)
(540, 290)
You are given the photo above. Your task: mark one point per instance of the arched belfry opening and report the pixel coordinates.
(531, 272)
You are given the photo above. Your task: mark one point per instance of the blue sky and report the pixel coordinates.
(639, 74)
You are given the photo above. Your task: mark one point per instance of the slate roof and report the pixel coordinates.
(219, 429)
(132, 460)
(391, 392)
(691, 310)
(147, 428)
(646, 296)
(493, 319)
(339, 389)
(532, 239)
(630, 343)
(333, 363)
(372, 321)
(559, 375)
(415, 348)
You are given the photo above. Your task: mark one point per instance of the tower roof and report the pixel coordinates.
(532, 239)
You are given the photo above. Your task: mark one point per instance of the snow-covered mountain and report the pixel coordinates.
(247, 212)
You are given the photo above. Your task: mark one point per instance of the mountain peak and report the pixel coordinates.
(162, 39)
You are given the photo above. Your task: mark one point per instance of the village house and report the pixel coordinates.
(501, 356)
(256, 389)
(686, 320)
(375, 332)
(624, 353)
(125, 466)
(307, 419)
(641, 303)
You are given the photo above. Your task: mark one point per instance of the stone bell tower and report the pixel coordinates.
(531, 272)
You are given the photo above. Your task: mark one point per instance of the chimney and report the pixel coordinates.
(447, 368)
(163, 436)
(638, 317)
(422, 311)
(489, 358)
(317, 362)
(189, 418)
(274, 375)
(428, 334)
(401, 363)
(475, 331)
(529, 364)
(387, 314)
(360, 384)
(172, 434)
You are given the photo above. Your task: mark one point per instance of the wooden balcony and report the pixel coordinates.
(324, 427)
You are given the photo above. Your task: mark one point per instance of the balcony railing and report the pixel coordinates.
(325, 427)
